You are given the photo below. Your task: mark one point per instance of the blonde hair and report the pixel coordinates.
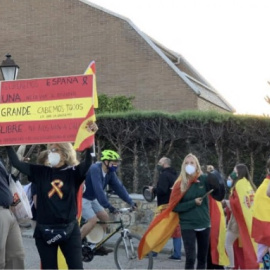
(42, 158)
(183, 175)
(69, 153)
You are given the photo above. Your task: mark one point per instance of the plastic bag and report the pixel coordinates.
(27, 188)
(21, 206)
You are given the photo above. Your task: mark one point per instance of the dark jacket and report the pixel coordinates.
(193, 216)
(96, 182)
(6, 197)
(165, 182)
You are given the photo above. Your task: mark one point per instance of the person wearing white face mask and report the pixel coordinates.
(193, 210)
(57, 188)
(240, 204)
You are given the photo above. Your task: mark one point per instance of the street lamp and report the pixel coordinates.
(9, 69)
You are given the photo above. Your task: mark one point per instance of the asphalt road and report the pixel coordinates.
(99, 262)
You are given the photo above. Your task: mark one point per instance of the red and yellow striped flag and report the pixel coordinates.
(217, 233)
(163, 225)
(261, 217)
(84, 138)
(91, 70)
(241, 201)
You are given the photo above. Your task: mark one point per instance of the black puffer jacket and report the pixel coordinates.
(165, 182)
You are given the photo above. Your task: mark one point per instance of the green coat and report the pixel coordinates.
(194, 216)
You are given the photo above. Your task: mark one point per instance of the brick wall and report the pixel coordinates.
(61, 37)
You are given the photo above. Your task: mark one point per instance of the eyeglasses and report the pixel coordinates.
(54, 150)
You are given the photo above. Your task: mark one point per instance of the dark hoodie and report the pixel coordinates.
(165, 182)
(6, 198)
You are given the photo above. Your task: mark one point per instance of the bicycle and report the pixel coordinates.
(125, 249)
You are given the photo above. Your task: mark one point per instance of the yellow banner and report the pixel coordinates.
(45, 110)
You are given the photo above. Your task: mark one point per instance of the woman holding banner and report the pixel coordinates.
(57, 188)
(241, 204)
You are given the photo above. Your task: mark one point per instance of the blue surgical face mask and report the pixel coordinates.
(229, 183)
(113, 168)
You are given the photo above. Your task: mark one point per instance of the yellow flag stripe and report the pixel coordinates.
(259, 212)
(246, 196)
(89, 71)
(83, 133)
(223, 257)
(45, 110)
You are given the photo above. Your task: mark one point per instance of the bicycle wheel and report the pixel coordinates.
(126, 256)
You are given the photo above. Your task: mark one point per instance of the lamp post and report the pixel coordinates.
(9, 69)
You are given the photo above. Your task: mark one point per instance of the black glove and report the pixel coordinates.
(113, 210)
(134, 206)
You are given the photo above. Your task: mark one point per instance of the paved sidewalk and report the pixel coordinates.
(28, 232)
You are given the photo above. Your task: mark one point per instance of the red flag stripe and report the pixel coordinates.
(250, 257)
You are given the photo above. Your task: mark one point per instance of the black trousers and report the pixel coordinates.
(71, 249)
(190, 238)
(210, 265)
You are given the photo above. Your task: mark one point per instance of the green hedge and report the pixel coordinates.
(220, 139)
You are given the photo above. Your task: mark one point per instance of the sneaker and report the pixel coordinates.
(87, 254)
(154, 254)
(103, 251)
(84, 242)
(174, 259)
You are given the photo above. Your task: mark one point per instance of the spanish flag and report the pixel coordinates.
(241, 202)
(84, 139)
(261, 217)
(217, 233)
(163, 225)
(91, 70)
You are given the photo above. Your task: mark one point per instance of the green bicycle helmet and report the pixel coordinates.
(110, 155)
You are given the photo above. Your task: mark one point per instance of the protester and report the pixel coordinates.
(57, 187)
(232, 232)
(194, 212)
(261, 218)
(167, 177)
(241, 204)
(216, 257)
(42, 159)
(188, 201)
(95, 201)
(11, 246)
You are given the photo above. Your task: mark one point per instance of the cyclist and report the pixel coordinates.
(99, 175)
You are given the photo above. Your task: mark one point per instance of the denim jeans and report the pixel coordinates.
(177, 246)
(190, 237)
